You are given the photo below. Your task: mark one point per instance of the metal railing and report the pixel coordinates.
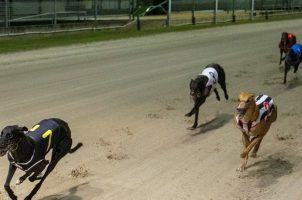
(41, 16)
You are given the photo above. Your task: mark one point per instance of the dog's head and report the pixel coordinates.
(9, 138)
(194, 88)
(197, 86)
(246, 101)
(284, 38)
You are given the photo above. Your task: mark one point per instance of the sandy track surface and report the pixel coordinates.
(126, 100)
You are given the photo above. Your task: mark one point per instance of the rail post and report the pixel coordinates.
(215, 12)
(6, 14)
(138, 23)
(169, 13)
(193, 12)
(233, 12)
(252, 9)
(95, 11)
(266, 14)
(54, 12)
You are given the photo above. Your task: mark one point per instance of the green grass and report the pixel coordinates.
(30, 42)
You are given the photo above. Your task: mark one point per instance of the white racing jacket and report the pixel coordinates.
(212, 75)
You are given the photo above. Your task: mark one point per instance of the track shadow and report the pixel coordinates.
(70, 196)
(295, 82)
(219, 120)
(72, 193)
(281, 68)
(268, 171)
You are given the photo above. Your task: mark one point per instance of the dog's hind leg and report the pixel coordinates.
(250, 146)
(221, 81)
(59, 151)
(38, 171)
(217, 94)
(23, 178)
(296, 68)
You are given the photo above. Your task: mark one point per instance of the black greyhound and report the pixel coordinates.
(27, 150)
(202, 87)
(292, 58)
(287, 40)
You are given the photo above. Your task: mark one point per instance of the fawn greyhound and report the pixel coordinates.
(254, 117)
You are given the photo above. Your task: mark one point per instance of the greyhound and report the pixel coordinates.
(202, 87)
(26, 150)
(293, 58)
(287, 40)
(254, 117)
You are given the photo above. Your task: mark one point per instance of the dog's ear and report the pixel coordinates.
(22, 128)
(240, 95)
(11, 132)
(252, 96)
(191, 82)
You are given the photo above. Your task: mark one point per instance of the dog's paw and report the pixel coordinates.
(243, 155)
(254, 155)
(218, 98)
(19, 181)
(14, 197)
(192, 128)
(28, 198)
(240, 169)
(188, 114)
(226, 97)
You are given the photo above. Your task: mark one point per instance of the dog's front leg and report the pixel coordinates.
(49, 169)
(296, 68)
(38, 171)
(11, 172)
(197, 104)
(256, 148)
(255, 141)
(246, 143)
(196, 120)
(281, 52)
(189, 114)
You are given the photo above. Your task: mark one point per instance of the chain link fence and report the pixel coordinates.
(215, 11)
(38, 16)
(17, 16)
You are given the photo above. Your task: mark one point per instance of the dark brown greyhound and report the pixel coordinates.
(287, 40)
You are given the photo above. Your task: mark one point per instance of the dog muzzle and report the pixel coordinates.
(241, 112)
(3, 151)
(6, 145)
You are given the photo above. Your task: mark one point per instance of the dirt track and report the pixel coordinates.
(126, 100)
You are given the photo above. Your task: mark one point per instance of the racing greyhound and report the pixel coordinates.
(203, 85)
(26, 150)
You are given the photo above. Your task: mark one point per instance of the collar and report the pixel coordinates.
(246, 126)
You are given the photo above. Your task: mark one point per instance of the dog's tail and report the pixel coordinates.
(74, 149)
